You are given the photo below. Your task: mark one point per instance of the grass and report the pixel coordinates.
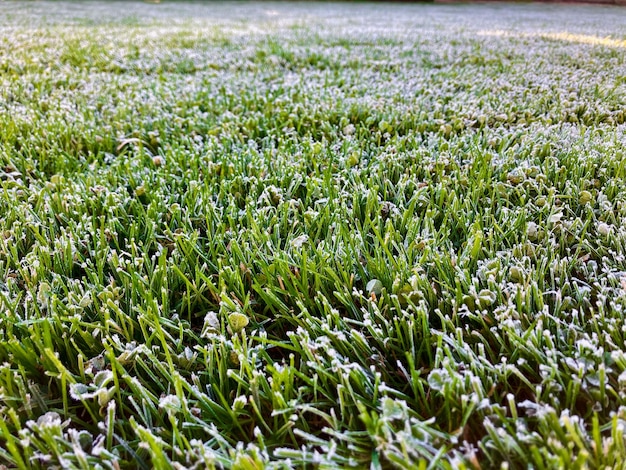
(312, 236)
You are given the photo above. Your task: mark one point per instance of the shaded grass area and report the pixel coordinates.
(311, 236)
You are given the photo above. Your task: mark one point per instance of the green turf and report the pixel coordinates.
(312, 235)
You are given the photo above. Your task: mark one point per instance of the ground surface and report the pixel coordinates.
(312, 235)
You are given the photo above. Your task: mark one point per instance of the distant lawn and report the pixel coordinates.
(274, 235)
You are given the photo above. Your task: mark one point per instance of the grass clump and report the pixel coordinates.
(289, 235)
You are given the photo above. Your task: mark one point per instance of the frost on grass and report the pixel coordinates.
(312, 235)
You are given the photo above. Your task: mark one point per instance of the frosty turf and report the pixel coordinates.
(312, 235)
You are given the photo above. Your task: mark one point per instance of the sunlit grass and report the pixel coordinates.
(563, 36)
(312, 236)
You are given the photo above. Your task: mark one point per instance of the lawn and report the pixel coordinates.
(297, 235)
